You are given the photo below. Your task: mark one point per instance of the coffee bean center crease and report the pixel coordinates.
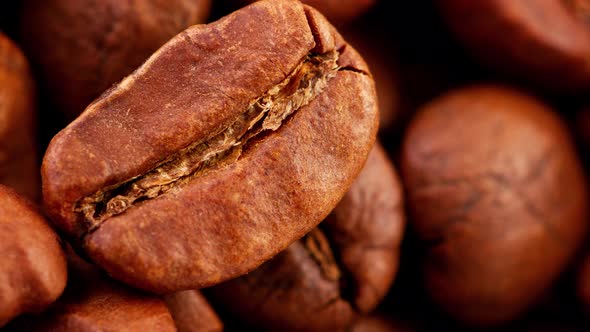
(319, 249)
(223, 147)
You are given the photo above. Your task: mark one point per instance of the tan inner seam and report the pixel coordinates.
(268, 112)
(319, 249)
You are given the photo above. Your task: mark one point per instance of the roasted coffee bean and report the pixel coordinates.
(33, 265)
(498, 198)
(546, 42)
(298, 290)
(339, 269)
(93, 302)
(82, 47)
(18, 162)
(192, 312)
(366, 229)
(228, 144)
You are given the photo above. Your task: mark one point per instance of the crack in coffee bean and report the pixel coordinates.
(267, 112)
(319, 249)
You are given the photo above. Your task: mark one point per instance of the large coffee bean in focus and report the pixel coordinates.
(228, 144)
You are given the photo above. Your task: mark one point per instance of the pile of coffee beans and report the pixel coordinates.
(286, 165)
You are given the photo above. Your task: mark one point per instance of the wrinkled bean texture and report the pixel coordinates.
(546, 42)
(33, 265)
(82, 47)
(497, 196)
(192, 312)
(342, 268)
(93, 302)
(228, 144)
(18, 162)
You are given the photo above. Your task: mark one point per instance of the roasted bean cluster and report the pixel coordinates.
(286, 165)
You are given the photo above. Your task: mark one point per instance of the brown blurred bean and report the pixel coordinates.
(545, 42)
(92, 302)
(498, 198)
(33, 266)
(82, 47)
(18, 162)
